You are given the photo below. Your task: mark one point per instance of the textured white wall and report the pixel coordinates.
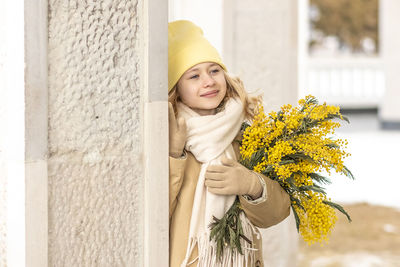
(95, 134)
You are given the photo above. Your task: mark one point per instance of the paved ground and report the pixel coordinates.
(372, 239)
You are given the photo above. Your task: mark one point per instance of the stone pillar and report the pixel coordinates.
(108, 151)
(389, 109)
(36, 133)
(23, 133)
(261, 46)
(156, 155)
(83, 149)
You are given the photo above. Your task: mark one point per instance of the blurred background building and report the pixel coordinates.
(341, 47)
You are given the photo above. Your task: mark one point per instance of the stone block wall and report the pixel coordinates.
(95, 166)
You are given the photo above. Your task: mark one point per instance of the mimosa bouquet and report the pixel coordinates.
(292, 146)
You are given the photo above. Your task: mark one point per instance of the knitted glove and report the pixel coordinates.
(177, 133)
(232, 178)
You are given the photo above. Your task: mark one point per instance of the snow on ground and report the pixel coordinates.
(374, 161)
(356, 259)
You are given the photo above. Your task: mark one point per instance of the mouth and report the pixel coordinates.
(210, 93)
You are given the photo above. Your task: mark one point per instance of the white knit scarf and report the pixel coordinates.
(208, 138)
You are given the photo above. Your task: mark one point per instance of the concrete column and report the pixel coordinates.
(83, 149)
(108, 151)
(389, 109)
(303, 40)
(23, 134)
(155, 99)
(36, 134)
(261, 47)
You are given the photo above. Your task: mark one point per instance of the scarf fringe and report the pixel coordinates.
(208, 138)
(207, 250)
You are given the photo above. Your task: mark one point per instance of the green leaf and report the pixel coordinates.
(346, 119)
(239, 233)
(232, 238)
(336, 116)
(314, 188)
(228, 230)
(338, 207)
(348, 173)
(296, 217)
(239, 228)
(319, 178)
(290, 181)
(332, 145)
(318, 187)
(298, 202)
(299, 155)
(312, 101)
(257, 156)
(267, 170)
(288, 161)
(279, 115)
(244, 126)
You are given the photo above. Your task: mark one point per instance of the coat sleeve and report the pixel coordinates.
(274, 209)
(176, 173)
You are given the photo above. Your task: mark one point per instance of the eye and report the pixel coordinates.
(215, 71)
(194, 76)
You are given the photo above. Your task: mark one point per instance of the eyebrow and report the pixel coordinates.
(212, 65)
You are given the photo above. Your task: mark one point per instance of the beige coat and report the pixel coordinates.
(183, 176)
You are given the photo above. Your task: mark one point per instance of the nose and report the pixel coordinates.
(208, 80)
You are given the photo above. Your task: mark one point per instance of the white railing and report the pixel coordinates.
(348, 82)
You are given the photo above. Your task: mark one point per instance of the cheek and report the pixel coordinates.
(223, 84)
(185, 92)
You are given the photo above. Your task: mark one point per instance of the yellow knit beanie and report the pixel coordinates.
(186, 48)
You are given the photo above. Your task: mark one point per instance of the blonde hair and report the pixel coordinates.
(234, 88)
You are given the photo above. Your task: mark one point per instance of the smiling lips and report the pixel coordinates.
(210, 93)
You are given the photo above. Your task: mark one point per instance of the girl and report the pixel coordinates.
(206, 110)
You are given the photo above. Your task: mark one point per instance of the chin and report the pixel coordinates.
(211, 106)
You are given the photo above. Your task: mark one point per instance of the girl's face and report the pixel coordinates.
(202, 87)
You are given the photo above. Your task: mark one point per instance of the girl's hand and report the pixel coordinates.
(232, 178)
(177, 133)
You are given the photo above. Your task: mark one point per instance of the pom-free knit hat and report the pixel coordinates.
(186, 48)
